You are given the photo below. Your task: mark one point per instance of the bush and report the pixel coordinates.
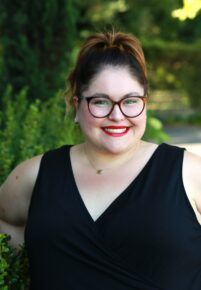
(28, 129)
(13, 266)
(154, 130)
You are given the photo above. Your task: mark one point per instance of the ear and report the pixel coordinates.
(75, 102)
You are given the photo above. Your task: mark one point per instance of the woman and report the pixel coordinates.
(115, 212)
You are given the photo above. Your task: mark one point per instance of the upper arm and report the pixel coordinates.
(192, 177)
(15, 192)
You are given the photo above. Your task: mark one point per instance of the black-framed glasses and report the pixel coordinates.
(101, 107)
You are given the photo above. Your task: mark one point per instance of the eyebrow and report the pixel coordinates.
(102, 95)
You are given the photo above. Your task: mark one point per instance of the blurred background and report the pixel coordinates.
(39, 41)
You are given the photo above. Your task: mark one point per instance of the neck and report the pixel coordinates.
(103, 160)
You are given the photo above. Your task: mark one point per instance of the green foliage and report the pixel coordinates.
(28, 129)
(14, 267)
(154, 130)
(175, 66)
(36, 42)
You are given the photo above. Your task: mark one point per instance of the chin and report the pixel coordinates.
(123, 146)
(117, 148)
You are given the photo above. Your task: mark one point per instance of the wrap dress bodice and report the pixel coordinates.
(147, 239)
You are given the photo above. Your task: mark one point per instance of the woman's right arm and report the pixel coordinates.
(15, 196)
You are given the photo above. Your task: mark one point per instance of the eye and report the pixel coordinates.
(100, 102)
(131, 101)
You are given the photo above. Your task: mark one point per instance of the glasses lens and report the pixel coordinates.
(132, 106)
(100, 107)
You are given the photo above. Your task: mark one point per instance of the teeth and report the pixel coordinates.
(115, 130)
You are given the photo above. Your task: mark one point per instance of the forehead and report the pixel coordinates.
(114, 81)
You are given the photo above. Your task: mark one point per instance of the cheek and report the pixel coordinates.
(87, 121)
(140, 120)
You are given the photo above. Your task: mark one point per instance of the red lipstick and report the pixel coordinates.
(115, 131)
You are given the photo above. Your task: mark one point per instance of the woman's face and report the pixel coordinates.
(115, 133)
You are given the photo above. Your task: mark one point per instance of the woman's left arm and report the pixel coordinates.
(192, 177)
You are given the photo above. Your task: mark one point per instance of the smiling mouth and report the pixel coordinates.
(116, 131)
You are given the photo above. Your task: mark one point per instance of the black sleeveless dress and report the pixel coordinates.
(147, 239)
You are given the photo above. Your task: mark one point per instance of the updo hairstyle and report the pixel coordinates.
(103, 49)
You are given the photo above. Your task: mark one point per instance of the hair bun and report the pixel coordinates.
(124, 42)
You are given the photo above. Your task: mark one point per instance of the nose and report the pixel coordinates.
(116, 114)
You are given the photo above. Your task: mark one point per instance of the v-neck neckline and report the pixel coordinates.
(117, 199)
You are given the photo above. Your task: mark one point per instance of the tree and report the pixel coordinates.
(36, 39)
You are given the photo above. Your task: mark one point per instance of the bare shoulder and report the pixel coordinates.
(192, 177)
(26, 171)
(16, 191)
(192, 166)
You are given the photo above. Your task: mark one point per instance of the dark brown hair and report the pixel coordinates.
(102, 49)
